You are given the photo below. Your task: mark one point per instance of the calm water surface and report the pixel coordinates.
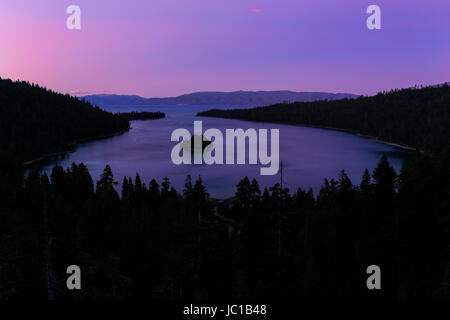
(309, 155)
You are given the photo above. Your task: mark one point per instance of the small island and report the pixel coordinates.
(190, 145)
(135, 115)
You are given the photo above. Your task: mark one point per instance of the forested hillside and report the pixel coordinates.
(152, 242)
(35, 121)
(419, 118)
(142, 115)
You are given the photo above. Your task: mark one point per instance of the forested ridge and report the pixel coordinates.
(135, 115)
(35, 121)
(416, 117)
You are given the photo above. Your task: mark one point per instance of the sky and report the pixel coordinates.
(158, 48)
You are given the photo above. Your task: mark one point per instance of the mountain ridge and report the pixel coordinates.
(251, 98)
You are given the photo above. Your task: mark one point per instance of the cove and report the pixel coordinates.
(309, 155)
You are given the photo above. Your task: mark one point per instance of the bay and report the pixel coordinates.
(309, 155)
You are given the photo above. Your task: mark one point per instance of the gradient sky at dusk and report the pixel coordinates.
(170, 47)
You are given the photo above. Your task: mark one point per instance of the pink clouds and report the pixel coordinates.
(256, 10)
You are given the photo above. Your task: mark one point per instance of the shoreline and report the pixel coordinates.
(362, 135)
(356, 132)
(69, 147)
(401, 146)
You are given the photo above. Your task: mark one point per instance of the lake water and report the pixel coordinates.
(309, 155)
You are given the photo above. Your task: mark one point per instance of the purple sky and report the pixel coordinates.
(170, 47)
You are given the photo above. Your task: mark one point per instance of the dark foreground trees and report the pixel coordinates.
(153, 242)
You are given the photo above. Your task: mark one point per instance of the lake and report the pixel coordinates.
(309, 155)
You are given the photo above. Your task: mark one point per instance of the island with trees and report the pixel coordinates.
(144, 115)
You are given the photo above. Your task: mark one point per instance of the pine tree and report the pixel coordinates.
(200, 193)
(255, 192)
(345, 184)
(243, 193)
(165, 188)
(188, 189)
(105, 184)
(384, 177)
(125, 190)
(137, 184)
(366, 182)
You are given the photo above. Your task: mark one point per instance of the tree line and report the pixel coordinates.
(35, 121)
(135, 115)
(416, 117)
(151, 241)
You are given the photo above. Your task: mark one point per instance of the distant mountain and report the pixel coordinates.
(239, 98)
